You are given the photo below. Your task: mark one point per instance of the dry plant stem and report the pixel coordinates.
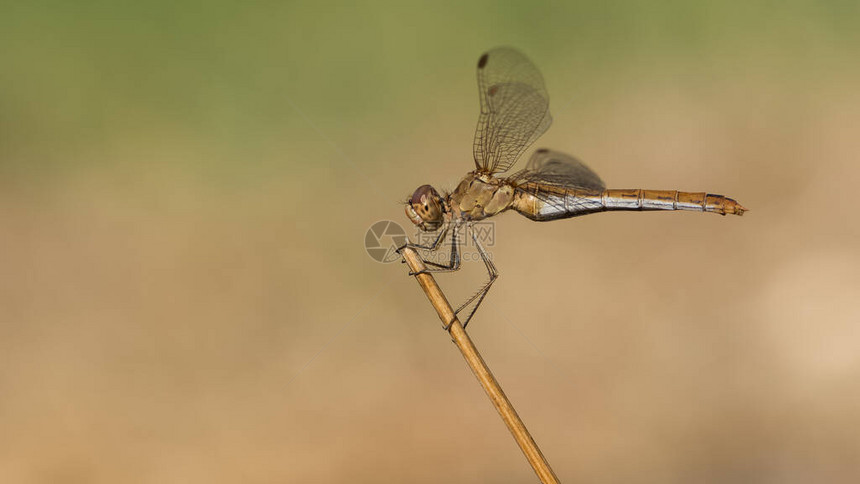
(479, 368)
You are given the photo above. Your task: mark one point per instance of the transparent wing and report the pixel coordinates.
(559, 169)
(514, 109)
(550, 176)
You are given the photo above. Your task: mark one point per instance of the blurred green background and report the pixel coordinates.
(185, 295)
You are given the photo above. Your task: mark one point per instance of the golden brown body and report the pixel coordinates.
(479, 196)
(542, 202)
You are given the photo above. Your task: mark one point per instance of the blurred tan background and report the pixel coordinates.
(185, 295)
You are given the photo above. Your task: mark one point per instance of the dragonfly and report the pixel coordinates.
(552, 186)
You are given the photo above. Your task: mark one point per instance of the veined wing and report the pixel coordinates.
(560, 170)
(514, 109)
(564, 184)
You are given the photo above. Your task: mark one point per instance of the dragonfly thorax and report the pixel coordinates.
(479, 196)
(426, 208)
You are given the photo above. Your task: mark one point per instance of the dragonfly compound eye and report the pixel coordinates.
(425, 208)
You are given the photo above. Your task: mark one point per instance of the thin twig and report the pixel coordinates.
(479, 367)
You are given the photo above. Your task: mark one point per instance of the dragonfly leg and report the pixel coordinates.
(432, 246)
(453, 263)
(479, 296)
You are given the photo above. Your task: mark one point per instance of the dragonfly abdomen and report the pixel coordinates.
(639, 199)
(543, 203)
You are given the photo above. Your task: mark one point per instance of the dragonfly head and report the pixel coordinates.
(426, 208)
